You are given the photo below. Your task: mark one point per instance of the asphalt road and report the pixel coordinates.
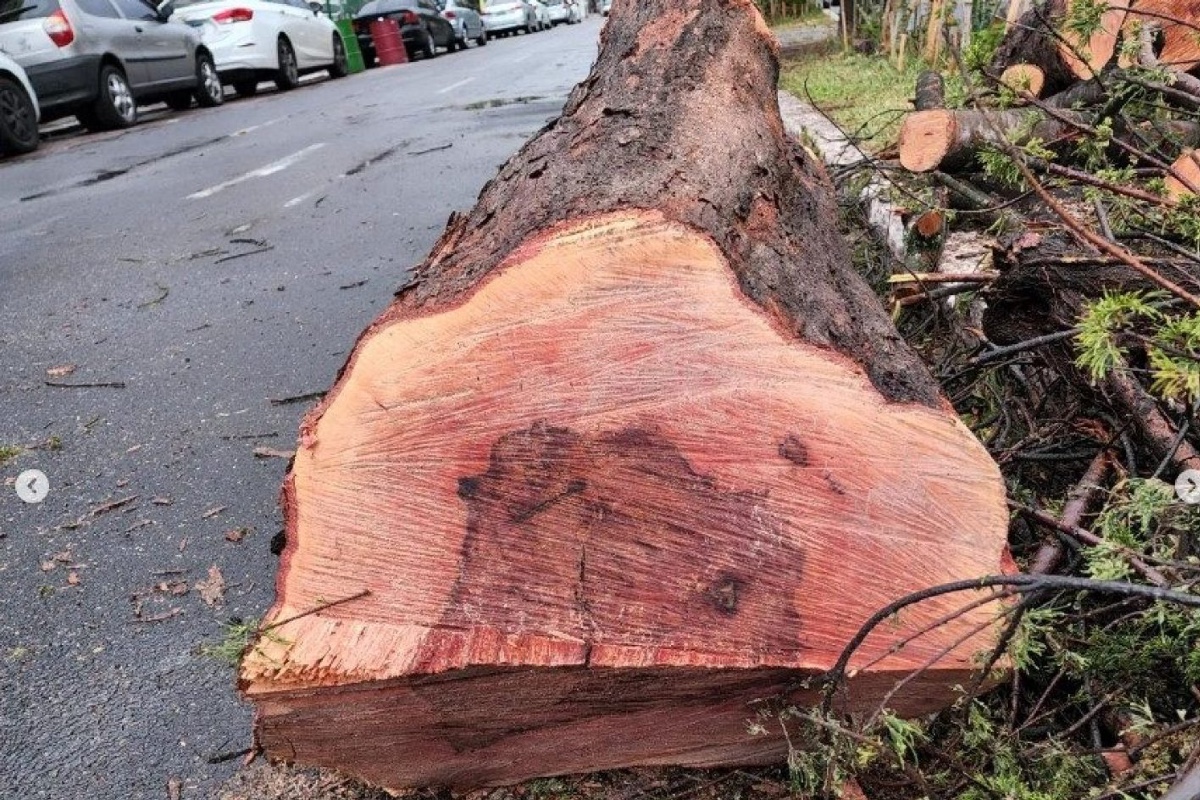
(205, 263)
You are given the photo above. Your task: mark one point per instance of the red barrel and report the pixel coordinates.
(389, 47)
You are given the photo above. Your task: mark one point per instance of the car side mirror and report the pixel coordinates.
(163, 10)
(317, 8)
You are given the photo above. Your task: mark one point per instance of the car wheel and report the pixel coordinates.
(209, 91)
(482, 40)
(18, 122)
(115, 106)
(429, 49)
(288, 75)
(341, 63)
(246, 88)
(462, 43)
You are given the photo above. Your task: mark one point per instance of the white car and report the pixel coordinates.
(541, 14)
(568, 11)
(256, 40)
(509, 16)
(18, 109)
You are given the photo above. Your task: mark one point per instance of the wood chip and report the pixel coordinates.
(236, 535)
(161, 501)
(212, 590)
(115, 504)
(269, 452)
(212, 512)
(73, 578)
(61, 371)
(174, 789)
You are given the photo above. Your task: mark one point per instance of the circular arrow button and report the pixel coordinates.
(33, 485)
(1187, 486)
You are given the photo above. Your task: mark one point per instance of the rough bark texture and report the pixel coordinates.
(668, 94)
(634, 449)
(1046, 280)
(930, 91)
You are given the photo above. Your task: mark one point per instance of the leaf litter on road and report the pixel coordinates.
(212, 590)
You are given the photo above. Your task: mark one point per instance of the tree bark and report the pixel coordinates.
(634, 449)
(1032, 40)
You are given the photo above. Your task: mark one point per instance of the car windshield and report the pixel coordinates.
(385, 6)
(13, 10)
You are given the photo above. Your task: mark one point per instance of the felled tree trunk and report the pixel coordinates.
(634, 449)
(949, 139)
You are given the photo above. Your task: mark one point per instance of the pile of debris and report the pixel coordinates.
(1076, 158)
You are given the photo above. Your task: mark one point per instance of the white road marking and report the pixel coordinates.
(253, 128)
(295, 201)
(261, 172)
(454, 86)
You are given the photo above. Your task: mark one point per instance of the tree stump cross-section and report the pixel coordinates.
(635, 450)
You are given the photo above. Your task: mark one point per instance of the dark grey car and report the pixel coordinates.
(98, 59)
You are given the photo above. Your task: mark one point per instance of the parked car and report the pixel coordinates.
(509, 16)
(422, 27)
(257, 40)
(98, 59)
(568, 11)
(18, 109)
(464, 17)
(541, 15)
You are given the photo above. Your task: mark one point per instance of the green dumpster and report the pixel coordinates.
(354, 56)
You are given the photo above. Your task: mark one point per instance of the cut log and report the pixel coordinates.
(1042, 39)
(634, 449)
(950, 139)
(1186, 178)
(1085, 59)
(930, 91)
(1034, 41)
(1179, 23)
(1024, 79)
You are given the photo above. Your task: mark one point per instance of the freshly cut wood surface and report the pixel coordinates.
(1024, 78)
(947, 139)
(620, 463)
(1179, 22)
(634, 450)
(1085, 58)
(1187, 168)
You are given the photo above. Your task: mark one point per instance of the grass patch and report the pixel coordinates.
(8, 453)
(812, 15)
(866, 95)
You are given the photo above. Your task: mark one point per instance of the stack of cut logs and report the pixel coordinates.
(1092, 122)
(1064, 83)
